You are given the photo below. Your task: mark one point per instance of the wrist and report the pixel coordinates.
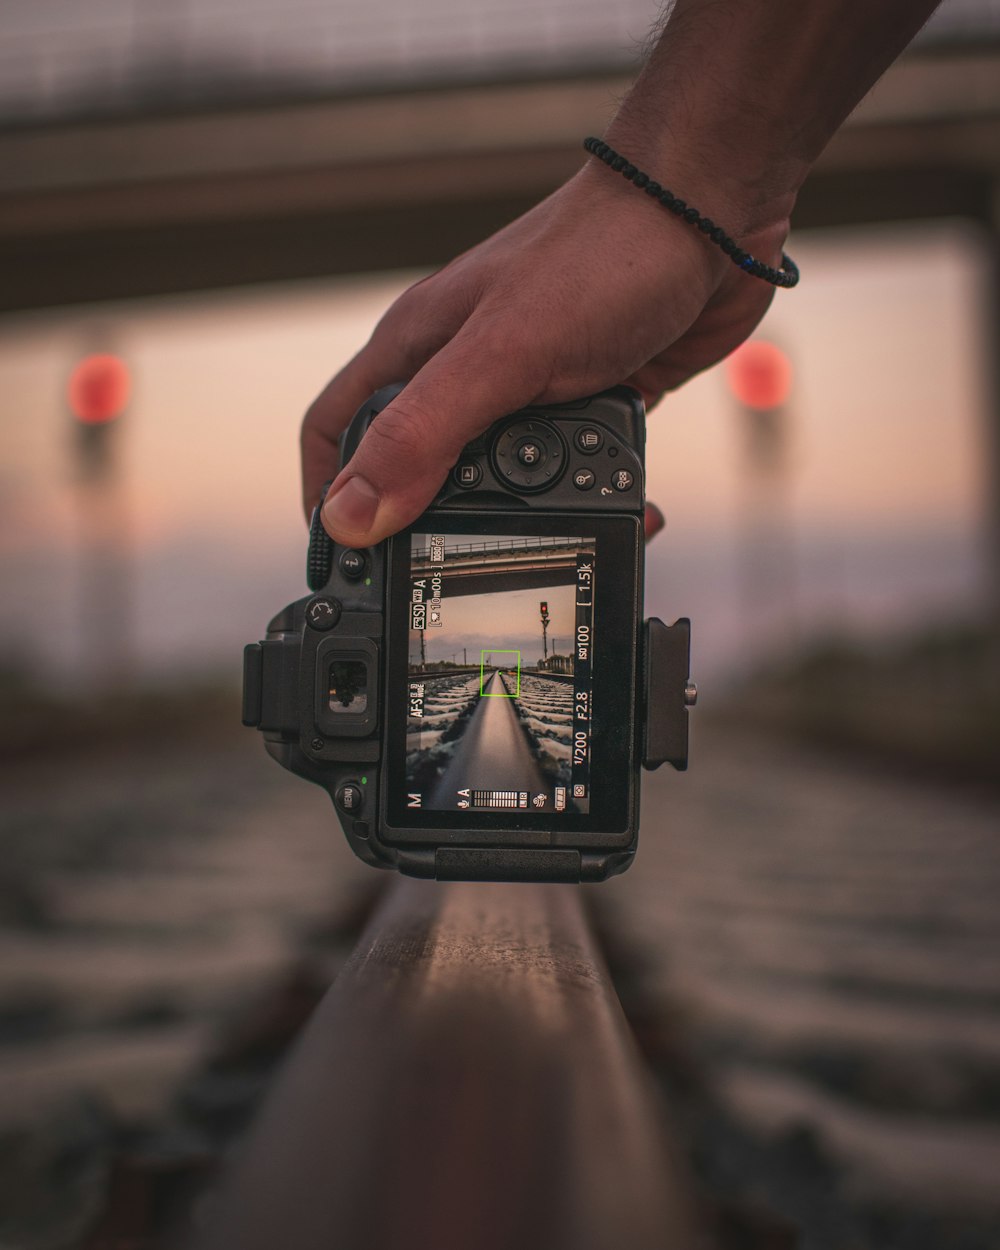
(759, 250)
(750, 197)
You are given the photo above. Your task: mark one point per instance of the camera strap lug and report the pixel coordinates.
(667, 652)
(253, 682)
(270, 675)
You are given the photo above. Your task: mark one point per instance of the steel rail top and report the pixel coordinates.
(469, 1081)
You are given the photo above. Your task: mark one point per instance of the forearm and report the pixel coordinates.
(597, 285)
(739, 97)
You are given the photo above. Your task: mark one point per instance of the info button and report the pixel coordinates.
(352, 564)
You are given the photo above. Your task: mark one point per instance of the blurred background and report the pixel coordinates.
(204, 209)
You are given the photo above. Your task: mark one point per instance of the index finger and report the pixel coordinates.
(329, 415)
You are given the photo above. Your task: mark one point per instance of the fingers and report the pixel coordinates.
(403, 458)
(329, 415)
(654, 521)
(409, 333)
(406, 452)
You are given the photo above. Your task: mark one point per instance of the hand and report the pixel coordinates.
(593, 287)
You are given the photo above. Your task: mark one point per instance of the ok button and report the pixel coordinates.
(530, 453)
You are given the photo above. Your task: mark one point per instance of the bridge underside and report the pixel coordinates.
(153, 205)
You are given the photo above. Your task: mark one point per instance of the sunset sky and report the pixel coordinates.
(883, 503)
(475, 623)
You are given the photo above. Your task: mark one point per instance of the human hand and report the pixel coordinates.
(594, 286)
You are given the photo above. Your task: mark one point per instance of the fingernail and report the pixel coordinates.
(351, 508)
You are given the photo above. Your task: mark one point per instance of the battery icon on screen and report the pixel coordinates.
(560, 798)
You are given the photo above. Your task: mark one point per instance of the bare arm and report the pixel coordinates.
(597, 285)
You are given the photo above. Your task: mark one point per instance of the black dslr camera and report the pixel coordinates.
(477, 692)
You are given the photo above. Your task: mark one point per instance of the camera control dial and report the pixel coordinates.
(319, 561)
(529, 455)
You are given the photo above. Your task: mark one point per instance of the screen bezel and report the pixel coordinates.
(617, 621)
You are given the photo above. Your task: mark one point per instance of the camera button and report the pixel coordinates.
(322, 613)
(531, 453)
(352, 564)
(467, 474)
(350, 798)
(622, 479)
(583, 479)
(589, 439)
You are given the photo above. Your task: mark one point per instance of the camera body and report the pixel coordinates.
(477, 693)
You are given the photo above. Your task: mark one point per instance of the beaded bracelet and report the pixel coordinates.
(786, 276)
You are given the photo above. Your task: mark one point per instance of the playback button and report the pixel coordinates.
(467, 474)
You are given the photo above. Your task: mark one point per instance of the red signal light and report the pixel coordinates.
(759, 375)
(98, 389)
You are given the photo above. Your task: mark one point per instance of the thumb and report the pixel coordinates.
(409, 448)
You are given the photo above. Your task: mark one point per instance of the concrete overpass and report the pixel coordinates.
(484, 568)
(145, 205)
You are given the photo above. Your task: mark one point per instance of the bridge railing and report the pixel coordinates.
(497, 545)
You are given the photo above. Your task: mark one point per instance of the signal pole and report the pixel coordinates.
(97, 394)
(759, 375)
(544, 612)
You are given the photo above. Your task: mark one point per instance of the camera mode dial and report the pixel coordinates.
(529, 455)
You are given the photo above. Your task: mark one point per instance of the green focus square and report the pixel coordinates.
(498, 694)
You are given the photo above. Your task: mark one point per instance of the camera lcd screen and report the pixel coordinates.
(510, 697)
(499, 690)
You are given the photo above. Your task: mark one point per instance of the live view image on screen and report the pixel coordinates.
(499, 678)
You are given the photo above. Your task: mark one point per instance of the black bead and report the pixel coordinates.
(787, 276)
